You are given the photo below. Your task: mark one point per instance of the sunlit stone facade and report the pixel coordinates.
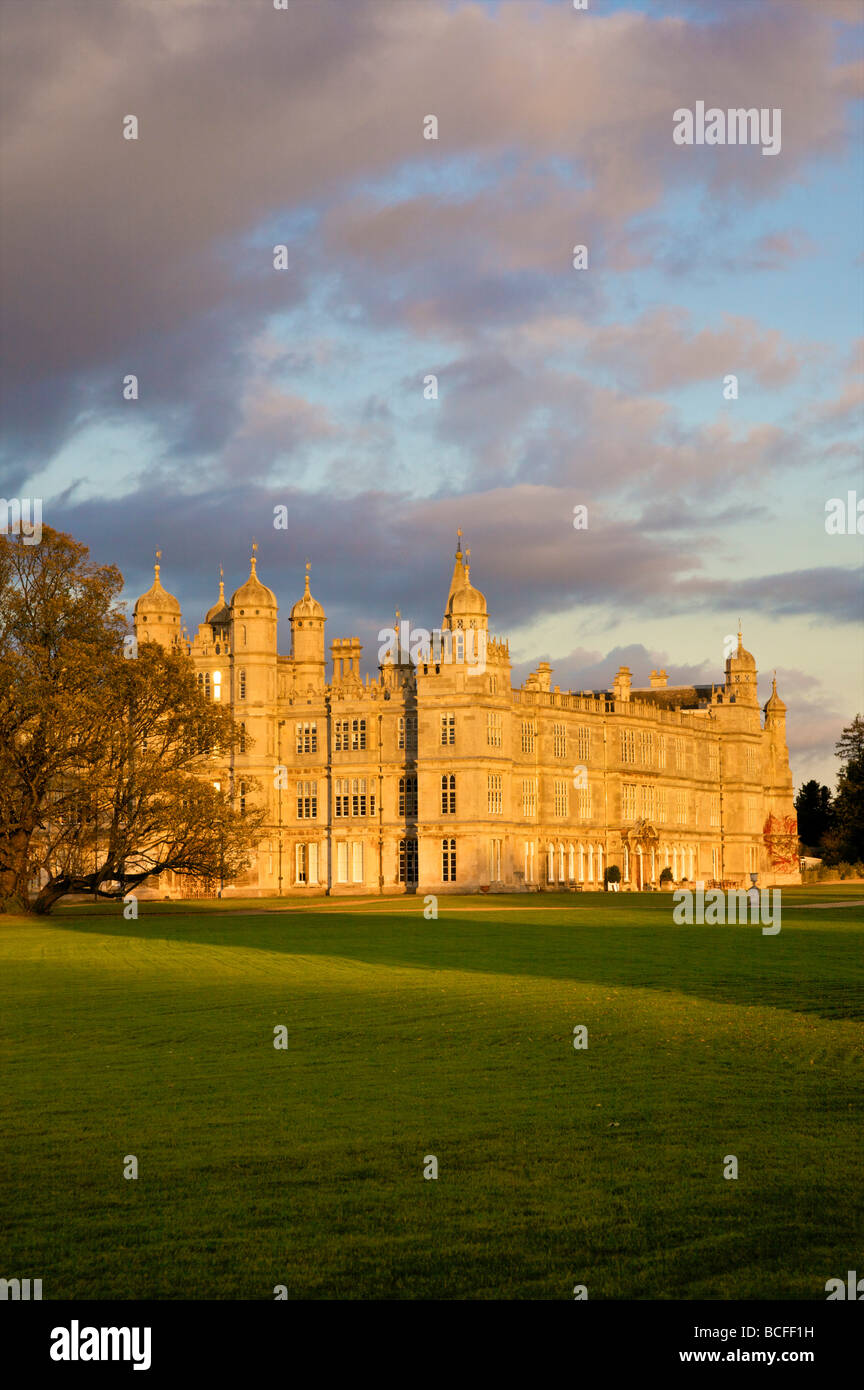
(438, 776)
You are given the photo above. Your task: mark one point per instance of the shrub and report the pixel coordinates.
(612, 874)
(666, 875)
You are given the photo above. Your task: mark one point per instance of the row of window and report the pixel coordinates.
(652, 803)
(571, 863)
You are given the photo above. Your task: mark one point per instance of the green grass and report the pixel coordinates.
(409, 1037)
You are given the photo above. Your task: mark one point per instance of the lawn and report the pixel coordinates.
(409, 1037)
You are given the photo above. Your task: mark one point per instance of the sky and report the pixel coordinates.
(305, 387)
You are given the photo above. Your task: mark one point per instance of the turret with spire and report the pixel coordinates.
(307, 640)
(156, 615)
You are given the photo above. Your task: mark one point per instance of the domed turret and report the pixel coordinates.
(253, 594)
(741, 675)
(156, 615)
(466, 606)
(220, 613)
(307, 606)
(774, 705)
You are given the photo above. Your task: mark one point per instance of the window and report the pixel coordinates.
(646, 802)
(529, 796)
(306, 863)
(628, 801)
(752, 761)
(241, 693)
(242, 748)
(341, 795)
(560, 863)
(715, 863)
(561, 798)
(628, 745)
(571, 868)
(715, 810)
(661, 750)
(559, 740)
(357, 861)
(493, 685)
(204, 682)
(494, 799)
(448, 728)
(242, 790)
(217, 685)
(752, 858)
(448, 861)
(408, 732)
(646, 747)
(678, 754)
(408, 861)
(713, 760)
(342, 861)
(529, 734)
(662, 804)
(681, 807)
(584, 745)
(529, 861)
(495, 861)
(307, 800)
(583, 803)
(307, 737)
(349, 733)
(493, 730)
(359, 799)
(751, 813)
(407, 799)
(448, 794)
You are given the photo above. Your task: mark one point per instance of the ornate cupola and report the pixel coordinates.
(741, 675)
(254, 615)
(156, 615)
(466, 606)
(220, 614)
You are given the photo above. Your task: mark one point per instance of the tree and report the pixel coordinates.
(846, 840)
(111, 770)
(815, 813)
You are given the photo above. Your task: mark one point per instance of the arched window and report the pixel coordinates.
(241, 684)
(560, 863)
(590, 863)
(626, 865)
(600, 863)
(550, 863)
(571, 863)
(581, 863)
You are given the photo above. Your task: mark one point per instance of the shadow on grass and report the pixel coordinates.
(804, 971)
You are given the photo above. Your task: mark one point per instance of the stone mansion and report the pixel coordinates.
(438, 776)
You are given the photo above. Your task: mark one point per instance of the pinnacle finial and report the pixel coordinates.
(308, 567)
(221, 583)
(157, 566)
(254, 556)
